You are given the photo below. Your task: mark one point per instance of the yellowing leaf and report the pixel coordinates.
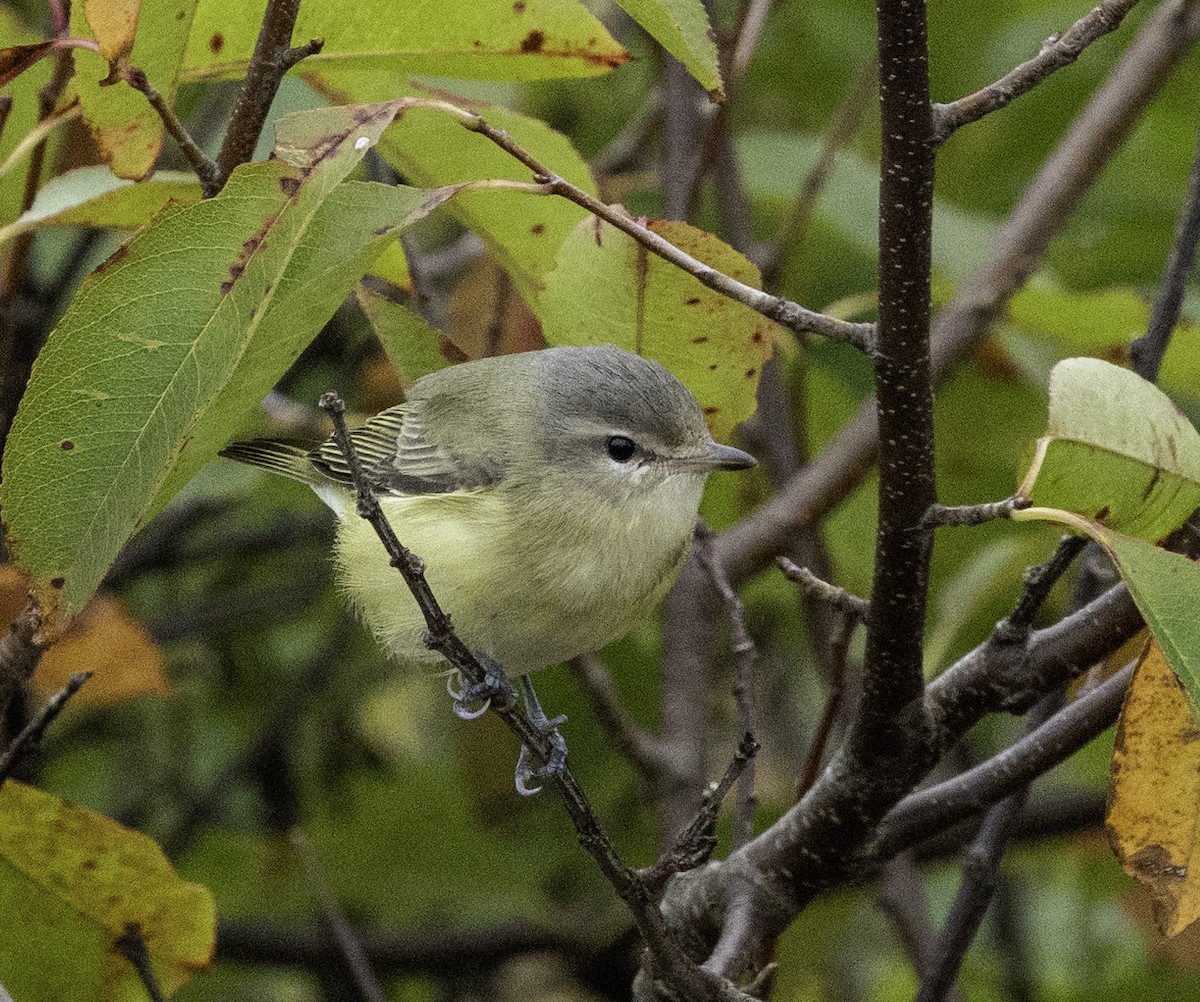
(114, 24)
(607, 288)
(1116, 451)
(1154, 796)
(71, 882)
(102, 639)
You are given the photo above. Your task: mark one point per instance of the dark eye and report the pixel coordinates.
(620, 448)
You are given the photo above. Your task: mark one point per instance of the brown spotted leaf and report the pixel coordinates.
(608, 289)
(15, 59)
(1154, 796)
(174, 340)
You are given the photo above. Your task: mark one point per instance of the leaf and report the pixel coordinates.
(176, 338)
(94, 196)
(103, 639)
(1116, 451)
(485, 316)
(114, 24)
(609, 289)
(430, 148)
(1154, 794)
(412, 344)
(477, 39)
(122, 122)
(681, 27)
(22, 117)
(71, 881)
(16, 59)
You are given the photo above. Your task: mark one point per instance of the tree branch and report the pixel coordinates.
(20, 651)
(31, 733)
(1057, 51)
(204, 166)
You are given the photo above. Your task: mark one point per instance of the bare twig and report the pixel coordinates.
(972, 514)
(850, 605)
(1146, 352)
(1057, 51)
(671, 963)
(1039, 581)
(31, 733)
(204, 166)
(838, 133)
(839, 650)
(133, 948)
(273, 57)
(933, 810)
(745, 656)
(641, 748)
(349, 946)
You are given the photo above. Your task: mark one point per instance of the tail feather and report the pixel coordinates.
(286, 459)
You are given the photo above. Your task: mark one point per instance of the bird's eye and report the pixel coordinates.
(620, 448)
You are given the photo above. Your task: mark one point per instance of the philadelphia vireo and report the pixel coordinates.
(552, 495)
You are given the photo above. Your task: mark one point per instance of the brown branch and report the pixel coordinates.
(31, 734)
(671, 964)
(839, 650)
(1146, 353)
(6, 103)
(850, 605)
(1057, 51)
(273, 57)
(204, 166)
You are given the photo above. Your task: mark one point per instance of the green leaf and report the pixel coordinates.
(609, 289)
(681, 27)
(23, 115)
(1164, 585)
(94, 196)
(122, 122)
(1116, 451)
(430, 148)
(477, 39)
(71, 881)
(412, 344)
(178, 336)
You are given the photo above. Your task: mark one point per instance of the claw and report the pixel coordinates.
(472, 700)
(557, 761)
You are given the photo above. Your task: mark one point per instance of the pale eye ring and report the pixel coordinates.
(620, 448)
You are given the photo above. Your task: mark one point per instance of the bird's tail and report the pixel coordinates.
(286, 459)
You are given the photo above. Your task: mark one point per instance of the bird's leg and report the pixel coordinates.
(495, 685)
(558, 753)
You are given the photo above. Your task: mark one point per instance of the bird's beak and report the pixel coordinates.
(726, 457)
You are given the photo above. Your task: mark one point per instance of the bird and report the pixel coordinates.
(552, 496)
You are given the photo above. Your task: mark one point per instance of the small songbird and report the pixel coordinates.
(552, 495)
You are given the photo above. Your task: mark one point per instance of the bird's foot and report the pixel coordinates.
(472, 699)
(527, 771)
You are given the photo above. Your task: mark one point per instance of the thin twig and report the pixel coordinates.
(670, 961)
(639, 746)
(6, 103)
(204, 166)
(837, 134)
(839, 650)
(900, 895)
(1146, 353)
(273, 57)
(847, 603)
(133, 948)
(1057, 51)
(31, 734)
(348, 944)
(745, 656)
(1038, 583)
(972, 514)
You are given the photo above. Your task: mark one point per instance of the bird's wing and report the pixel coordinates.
(399, 458)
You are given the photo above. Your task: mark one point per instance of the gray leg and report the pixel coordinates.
(558, 755)
(495, 685)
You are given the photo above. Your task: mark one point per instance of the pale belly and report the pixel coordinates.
(523, 598)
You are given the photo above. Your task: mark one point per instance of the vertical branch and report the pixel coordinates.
(892, 667)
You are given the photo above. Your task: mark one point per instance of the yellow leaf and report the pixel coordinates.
(71, 883)
(102, 639)
(114, 23)
(1154, 796)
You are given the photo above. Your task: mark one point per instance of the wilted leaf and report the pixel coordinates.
(1154, 796)
(609, 289)
(102, 639)
(94, 196)
(681, 27)
(1116, 451)
(125, 127)
(16, 59)
(177, 337)
(71, 881)
(486, 315)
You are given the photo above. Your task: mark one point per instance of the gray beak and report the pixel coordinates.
(726, 457)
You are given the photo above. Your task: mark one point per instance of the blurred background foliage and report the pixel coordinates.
(281, 710)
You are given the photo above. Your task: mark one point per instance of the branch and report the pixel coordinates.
(133, 948)
(204, 166)
(641, 748)
(20, 651)
(850, 605)
(31, 733)
(1038, 583)
(1057, 51)
(672, 964)
(273, 57)
(972, 514)
(1147, 351)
